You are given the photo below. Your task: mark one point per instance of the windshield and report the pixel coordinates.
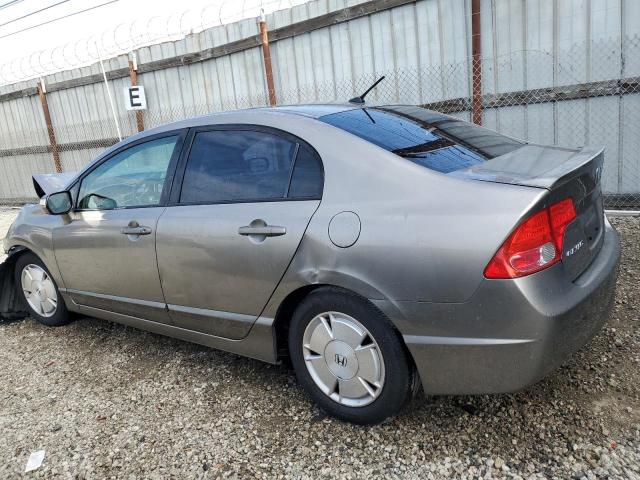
(433, 140)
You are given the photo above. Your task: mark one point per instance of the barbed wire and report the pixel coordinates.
(134, 34)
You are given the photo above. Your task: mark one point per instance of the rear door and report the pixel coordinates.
(244, 199)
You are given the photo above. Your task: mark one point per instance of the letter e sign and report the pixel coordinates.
(134, 98)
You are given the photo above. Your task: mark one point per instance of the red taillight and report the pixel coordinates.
(535, 245)
(561, 214)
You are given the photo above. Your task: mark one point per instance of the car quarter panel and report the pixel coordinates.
(510, 333)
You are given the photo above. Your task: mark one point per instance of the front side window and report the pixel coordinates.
(132, 178)
(238, 166)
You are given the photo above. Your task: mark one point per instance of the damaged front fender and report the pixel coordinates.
(12, 306)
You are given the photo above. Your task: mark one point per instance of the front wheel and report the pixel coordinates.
(349, 358)
(39, 291)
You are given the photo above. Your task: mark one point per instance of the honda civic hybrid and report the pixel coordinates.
(385, 250)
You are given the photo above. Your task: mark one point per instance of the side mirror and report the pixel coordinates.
(59, 203)
(94, 201)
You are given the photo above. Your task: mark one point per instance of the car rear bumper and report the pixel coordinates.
(510, 333)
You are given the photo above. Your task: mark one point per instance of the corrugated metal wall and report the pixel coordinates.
(424, 46)
(540, 43)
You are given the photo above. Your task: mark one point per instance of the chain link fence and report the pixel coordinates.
(564, 99)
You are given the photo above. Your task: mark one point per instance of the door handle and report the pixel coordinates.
(134, 229)
(263, 230)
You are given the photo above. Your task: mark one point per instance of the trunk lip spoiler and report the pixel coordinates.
(549, 179)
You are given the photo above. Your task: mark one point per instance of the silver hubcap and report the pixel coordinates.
(343, 359)
(39, 290)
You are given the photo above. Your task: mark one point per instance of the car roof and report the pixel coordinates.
(311, 110)
(314, 111)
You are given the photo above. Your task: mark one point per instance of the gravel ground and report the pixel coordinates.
(107, 401)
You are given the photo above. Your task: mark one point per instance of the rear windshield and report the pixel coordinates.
(428, 138)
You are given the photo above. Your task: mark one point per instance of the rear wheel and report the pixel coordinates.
(40, 292)
(349, 357)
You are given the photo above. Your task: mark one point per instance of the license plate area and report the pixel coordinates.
(584, 237)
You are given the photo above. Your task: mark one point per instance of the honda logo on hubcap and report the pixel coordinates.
(340, 360)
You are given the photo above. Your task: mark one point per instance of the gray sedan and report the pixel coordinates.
(383, 249)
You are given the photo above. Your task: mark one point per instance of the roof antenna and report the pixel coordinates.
(360, 99)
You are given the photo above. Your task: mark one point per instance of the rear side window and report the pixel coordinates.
(428, 138)
(307, 178)
(246, 166)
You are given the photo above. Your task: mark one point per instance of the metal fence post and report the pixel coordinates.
(266, 53)
(53, 144)
(133, 75)
(476, 63)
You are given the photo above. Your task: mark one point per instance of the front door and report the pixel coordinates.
(106, 252)
(246, 200)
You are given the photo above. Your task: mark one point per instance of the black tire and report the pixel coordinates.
(398, 386)
(61, 316)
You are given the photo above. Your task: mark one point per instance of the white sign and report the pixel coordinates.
(134, 98)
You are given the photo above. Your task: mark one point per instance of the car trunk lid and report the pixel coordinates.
(574, 173)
